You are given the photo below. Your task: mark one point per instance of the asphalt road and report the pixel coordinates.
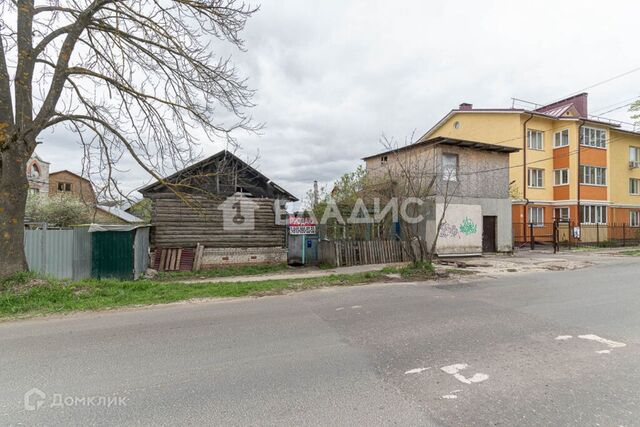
(340, 356)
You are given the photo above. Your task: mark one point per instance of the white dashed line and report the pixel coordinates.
(356, 306)
(416, 370)
(455, 371)
(563, 337)
(608, 343)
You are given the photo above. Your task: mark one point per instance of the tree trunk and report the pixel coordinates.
(14, 188)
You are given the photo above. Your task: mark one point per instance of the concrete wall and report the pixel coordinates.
(217, 257)
(464, 242)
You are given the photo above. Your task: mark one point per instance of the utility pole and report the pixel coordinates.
(315, 193)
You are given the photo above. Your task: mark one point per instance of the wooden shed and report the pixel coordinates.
(220, 211)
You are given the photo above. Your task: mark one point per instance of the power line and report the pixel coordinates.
(626, 73)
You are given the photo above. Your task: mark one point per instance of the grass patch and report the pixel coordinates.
(422, 270)
(28, 295)
(240, 270)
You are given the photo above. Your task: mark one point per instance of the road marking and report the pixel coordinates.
(339, 308)
(356, 306)
(603, 351)
(455, 371)
(563, 337)
(608, 343)
(452, 394)
(416, 370)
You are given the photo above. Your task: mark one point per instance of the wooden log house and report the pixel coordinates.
(220, 211)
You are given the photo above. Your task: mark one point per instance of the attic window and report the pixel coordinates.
(64, 187)
(383, 160)
(456, 125)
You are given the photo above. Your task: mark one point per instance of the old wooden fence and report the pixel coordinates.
(345, 253)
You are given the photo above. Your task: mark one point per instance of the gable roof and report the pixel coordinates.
(119, 213)
(476, 145)
(211, 162)
(71, 173)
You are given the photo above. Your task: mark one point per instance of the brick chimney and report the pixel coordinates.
(465, 106)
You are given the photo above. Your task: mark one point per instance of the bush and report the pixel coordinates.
(59, 210)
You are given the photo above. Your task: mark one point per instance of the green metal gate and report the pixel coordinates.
(112, 255)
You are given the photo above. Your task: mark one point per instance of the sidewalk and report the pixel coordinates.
(305, 273)
(522, 261)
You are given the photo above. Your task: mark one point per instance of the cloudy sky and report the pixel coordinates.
(333, 76)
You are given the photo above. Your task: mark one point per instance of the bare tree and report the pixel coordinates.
(414, 171)
(135, 78)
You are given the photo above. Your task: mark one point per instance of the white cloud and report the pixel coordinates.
(332, 76)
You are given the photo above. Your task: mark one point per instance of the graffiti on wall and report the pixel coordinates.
(467, 227)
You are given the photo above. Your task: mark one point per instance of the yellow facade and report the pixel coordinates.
(508, 127)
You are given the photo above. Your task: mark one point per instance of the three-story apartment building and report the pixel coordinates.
(570, 166)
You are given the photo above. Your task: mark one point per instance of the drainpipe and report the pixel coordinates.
(524, 173)
(578, 180)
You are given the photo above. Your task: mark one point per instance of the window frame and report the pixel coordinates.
(599, 214)
(593, 172)
(555, 176)
(530, 132)
(450, 177)
(66, 187)
(529, 172)
(601, 144)
(633, 223)
(555, 138)
(637, 183)
(633, 148)
(539, 215)
(562, 218)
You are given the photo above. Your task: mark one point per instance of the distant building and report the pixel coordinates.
(66, 182)
(114, 215)
(38, 175)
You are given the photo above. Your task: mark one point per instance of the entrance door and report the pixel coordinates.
(489, 233)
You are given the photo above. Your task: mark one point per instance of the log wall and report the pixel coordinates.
(178, 224)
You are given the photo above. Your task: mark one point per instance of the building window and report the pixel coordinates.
(593, 137)
(535, 139)
(592, 214)
(383, 160)
(536, 178)
(561, 177)
(561, 214)
(634, 156)
(64, 187)
(634, 218)
(449, 167)
(561, 139)
(34, 171)
(593, 175)
(34, 191)
(536, 216)
(634, 186)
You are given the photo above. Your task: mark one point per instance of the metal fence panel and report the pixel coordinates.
(81, 253)
(141, 252)
(34, 250)
(63, 254)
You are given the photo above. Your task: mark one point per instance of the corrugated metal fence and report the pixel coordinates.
(64, 254)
